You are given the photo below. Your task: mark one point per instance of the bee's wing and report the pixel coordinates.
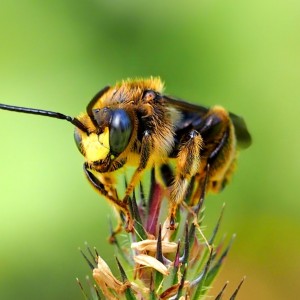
(193, 116)
(185, 106)
(241, 132)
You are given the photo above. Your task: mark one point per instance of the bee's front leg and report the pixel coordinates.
(146, 149)
(187, 165)
(120, 205)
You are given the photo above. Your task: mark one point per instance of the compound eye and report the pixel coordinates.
(120, 131)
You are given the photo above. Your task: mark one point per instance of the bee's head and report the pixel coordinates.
(110, 136)
(104, 131)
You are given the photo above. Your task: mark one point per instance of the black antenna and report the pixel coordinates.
(46, 113)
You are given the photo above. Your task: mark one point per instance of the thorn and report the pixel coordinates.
(237, 289)
(95, 249)
(91, 265)
(224, 254)
(177, 256)
(90, 252)
(97, 292)
(222, 291)
(123, 274)
(204, 272)
(186, 245)
(217, 225)
(82, 290)
(159, 254)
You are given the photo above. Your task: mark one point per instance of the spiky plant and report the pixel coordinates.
(155, 262)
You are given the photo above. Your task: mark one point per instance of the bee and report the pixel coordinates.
(133, 123)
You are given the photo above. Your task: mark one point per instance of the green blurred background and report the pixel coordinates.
(56, 55)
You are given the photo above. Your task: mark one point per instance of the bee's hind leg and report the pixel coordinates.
(220, 148)
(187, 165)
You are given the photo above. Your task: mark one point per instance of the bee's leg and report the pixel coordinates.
(120, 205)
(187, 165)
(219, 148)
(218, 151)
(146, 148)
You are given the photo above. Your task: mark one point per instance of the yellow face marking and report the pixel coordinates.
(96, 147)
